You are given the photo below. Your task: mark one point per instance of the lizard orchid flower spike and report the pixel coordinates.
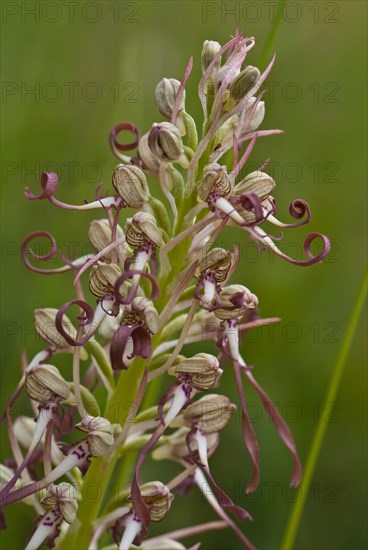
(154, 281)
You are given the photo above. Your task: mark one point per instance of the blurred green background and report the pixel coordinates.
(92, 65)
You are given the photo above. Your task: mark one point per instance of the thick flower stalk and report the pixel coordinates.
(154, 283)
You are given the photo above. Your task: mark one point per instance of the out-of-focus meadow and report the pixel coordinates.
(70, 72)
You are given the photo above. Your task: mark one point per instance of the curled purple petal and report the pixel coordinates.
(142, 346)
(299, 209)
(49, 182)
(123, 126)
(85, 320)
(52, 254)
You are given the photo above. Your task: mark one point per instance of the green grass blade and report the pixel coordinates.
(269, 44)
(295, 517)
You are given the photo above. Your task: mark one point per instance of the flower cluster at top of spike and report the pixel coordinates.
(159, 283)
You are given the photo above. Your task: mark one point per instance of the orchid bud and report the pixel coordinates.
(165, 142)
(209, 50)
(100, 433)
(102, 280)
(44, 323)
(215, 180)
(44, 382)
(259, 183)
(244, 82)
(100, 236)
(148, 158)
(131, 184)
(63, 497)
(157, 498)
(146, 312)
(256, 118)
(238, 299)
(217, 262)
(142, 229)
(201, 371)
(165, 96)
(211, 413)
(176, 446)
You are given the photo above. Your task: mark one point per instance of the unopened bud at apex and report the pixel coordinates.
(44, 382)
(165, 142)
(165, 96)
(209, 50)
(215, 180)
(100, 433)
(217, 262)
(236, 301)
(211, 413)
(102, 280)
(242, 83)
(131, 184)
(259, 183)
(201, 371)
(142, 229)
(157, 498)
(63, 497)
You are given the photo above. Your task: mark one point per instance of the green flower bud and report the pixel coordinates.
(176, 447)
(211, 413)
(202, 370)
(148, 158)
(242, 83)
(44, 382)
(165, 96)
(100, 236)
(209, 50)
(165, 142)
(257, 117)
(256, 182)
(218, 262)
(100, 433)
(102, 280)
(131, 184)
(157, 498)
(242, 296)
(214, 180)
(63, 497)
(44, 323)
(142, 228)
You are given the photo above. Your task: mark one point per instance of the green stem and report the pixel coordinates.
(98, 476)
(294, 520)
